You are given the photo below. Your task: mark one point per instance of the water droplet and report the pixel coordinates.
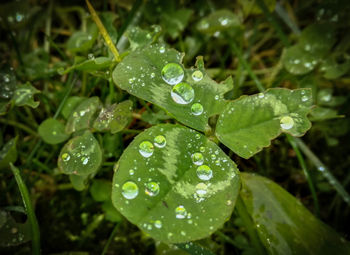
(197, 158)
(183, 233)
(84, 160)
(6, 78)
(204, 173)
(170, 235)
(304, 98)
(261, 95)
(158, 224)
(159, 141)
(223, 21)
(162, 49)
(201, 189)
(216, 97)
(182, 93)
(152, 189)
(321, 168)
(180, 212)
(146, 149)
(130, 190)
(65, 157)
(131, 172)
(197, 109)
(153, 75)
(172, 73)
(286, 122)
(228, 202)
(202, 149)
(197, 75)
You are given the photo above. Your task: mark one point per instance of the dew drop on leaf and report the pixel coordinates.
(158, 224)
(65, 157)
(304, 98)
(201, 189)
(182, 93)
(130, 190)
(152, 189)
(286, 122)
(197, 158)
(197, 109)
(146, 149)
(160, 141)
(172, 73)
(204, 173)
(180, 212)
(197, 75)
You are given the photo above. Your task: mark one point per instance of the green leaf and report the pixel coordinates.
(81, 155)
(101, 190)
(52, 131)
(114, 118)
(175, 184)
(249, 123)
(140, 38)
(219, 21)
(335, 66)
(69, 106)
(283, 224)
(7, 85)
(112, 145)
(24, 95)
(111, 213)
(176, 21)
(322, 113)
(79, 182)
(194, 99)
(83, 115)
(92, 64)
(13, 233)
(81, 41)
(298, 61)
(8, 153)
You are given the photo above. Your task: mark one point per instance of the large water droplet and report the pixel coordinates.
(152, 189)
(204, 173)
(197, 109)
(201, 189)
(146, 149)
(182, 93)
(130, 190)
(197, 75)
(180, 212)
(159, 141)
(286, 122)
(172, 73)
(197, 158)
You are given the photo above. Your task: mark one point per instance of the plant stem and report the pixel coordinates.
(48, 27)
(70, 83)
(324, 170)
(254, 238)
(110, 238)
(103, 32)
(29, 210)
(19, 125)
(306, 172)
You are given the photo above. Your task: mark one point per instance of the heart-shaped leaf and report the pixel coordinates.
(81, 155)
(283, 224)
(249, 123)
(175, 184)
(156, 74)
(24, 95)
(52, 131)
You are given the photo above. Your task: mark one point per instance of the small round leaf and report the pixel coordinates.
(52, 131)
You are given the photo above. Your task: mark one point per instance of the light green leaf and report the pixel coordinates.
(193, 99)
(81, 155)
(83, 115)
(52, 131)
(298, 61)
(69, 106)
(175, 184)
(101, 190)
(8, 153)
(219, 21)
(79, 182)
(283, 224)
(24, 95)
(114, 117)
(140, 38)
(249, 123)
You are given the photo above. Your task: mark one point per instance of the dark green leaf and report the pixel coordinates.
(249, 123)
(298, 61)
(176, 21)
(81, 41)
(250, 7)
(283, 224)
(219, 21)
(175, 184)
(79, 182)
(52, 131)
(8, 153)
(101, 190)
(111, 213)
(140, 38)
(24, 95)
(70, 105)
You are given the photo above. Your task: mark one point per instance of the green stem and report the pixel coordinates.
(29, 210)
(70, 83)
(48, 27)
(324, 170)
(306, 172)
(19, 125)
(272, 19)
(110, 238)
(248, 223)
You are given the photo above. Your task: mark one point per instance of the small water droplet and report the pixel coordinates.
(162, 49)
(197, 75)
(131, 172)
(84, 160)
(261, 95)
(304, 98)
(223, 21)
(197, 109)
(197, 158)
(228, 202)
(172, 73)
(286, 122)
(202, 149)
(152, 189)
(146, 149)
(183, 233)
(204, 173)
(321, 168)
(201, 189)
(158, 224)
(6, 78)
(216, 97)
(182, 93)
(65, 157)
(159, 141)
(130, 190)
(153, 75)
(180, 212)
